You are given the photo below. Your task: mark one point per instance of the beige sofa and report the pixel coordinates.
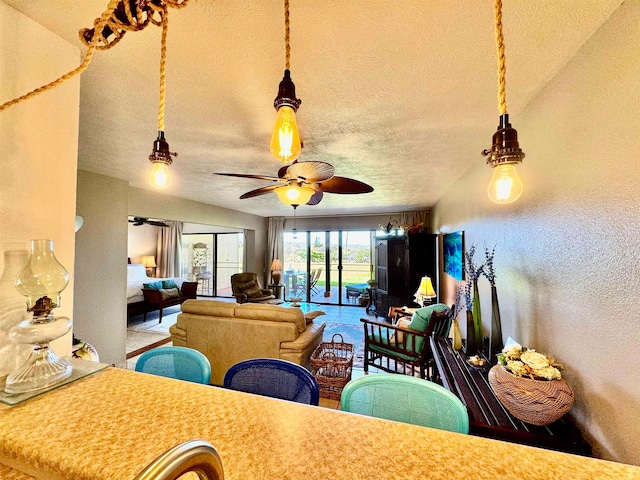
(229, 332)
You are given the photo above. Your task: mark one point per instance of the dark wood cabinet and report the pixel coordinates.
(400, 263)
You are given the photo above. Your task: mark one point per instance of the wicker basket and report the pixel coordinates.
(331, 365)
(539, 402)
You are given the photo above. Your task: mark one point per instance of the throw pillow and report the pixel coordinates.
(169, 284)
(153, 285)
(169, 293)
(402, 323)
(250, 289)
(421, 318)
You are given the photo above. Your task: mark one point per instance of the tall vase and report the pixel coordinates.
(472, 346)
(495, 338)
(477, 317)
(456, 335)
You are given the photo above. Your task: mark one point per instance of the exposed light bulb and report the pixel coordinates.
(159, 176)
(505, 186)
(285, 140)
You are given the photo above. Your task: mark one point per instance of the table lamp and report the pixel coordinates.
(276, 271)
(149, 261)
(425, 292)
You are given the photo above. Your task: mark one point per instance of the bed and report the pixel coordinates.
(136, 277)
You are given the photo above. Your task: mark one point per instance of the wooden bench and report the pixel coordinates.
(153, 298)
(487, 416)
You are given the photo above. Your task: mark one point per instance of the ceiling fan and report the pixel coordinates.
(317, 175)
(137, 221)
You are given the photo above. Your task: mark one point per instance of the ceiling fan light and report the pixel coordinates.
(294, 194)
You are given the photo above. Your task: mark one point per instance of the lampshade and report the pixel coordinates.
(276, 265)
(294, 194)
(149, 261)
(425, 290)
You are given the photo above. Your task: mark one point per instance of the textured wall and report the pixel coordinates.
(39, 144)
(567, 256)
(101, 259)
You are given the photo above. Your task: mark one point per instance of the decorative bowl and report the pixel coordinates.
(476, 361)
(295, 301)
(539, 402)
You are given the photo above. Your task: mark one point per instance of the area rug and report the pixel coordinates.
(169, 317)
(351, 333)
(139, 341)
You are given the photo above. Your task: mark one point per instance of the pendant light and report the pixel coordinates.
(505, 153)
(285, 140)
(161, 156)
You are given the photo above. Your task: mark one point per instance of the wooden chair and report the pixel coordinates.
(397, 349)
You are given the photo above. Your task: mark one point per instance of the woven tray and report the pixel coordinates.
(331, 365)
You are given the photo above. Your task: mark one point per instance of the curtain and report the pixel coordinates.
(275, 243)
(168, 250)
(415, 221)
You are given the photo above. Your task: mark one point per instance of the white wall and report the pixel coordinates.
(101, 271)
(567, 256)
(142, 240)
(146, 203)
(39, 144)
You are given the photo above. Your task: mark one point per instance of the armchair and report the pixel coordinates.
(246, 288)
(393, 348)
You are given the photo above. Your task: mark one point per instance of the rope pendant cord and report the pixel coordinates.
(502, 70)
(163, 69)
(287, 49)
(104, 19)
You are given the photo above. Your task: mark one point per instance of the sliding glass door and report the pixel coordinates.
(210, 259)
(327, 266)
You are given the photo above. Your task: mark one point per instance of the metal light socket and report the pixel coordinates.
(287, 93)
(161, 151)
(505, 148)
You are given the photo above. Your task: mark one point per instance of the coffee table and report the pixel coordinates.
(310, 310)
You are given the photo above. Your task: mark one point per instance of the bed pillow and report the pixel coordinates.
(250, 289)
(153, 285)
(169, 293)
(169, 284)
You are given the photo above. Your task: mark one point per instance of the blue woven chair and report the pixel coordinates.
(176, 362)
(275, 378)
(405, 399)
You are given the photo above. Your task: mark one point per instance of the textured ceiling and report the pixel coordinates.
(398, 94)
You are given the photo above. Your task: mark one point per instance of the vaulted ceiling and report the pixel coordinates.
(398, 94)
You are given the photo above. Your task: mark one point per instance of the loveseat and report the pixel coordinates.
(229, 332)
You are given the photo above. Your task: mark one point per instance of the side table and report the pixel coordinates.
(276, 288)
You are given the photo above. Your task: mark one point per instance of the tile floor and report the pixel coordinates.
(333, 313)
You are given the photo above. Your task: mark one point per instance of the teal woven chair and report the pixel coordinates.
(176, 362)
(405, 399)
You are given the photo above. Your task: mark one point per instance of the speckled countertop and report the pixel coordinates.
(112, 424)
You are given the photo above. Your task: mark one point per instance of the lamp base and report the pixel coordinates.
(43, 368)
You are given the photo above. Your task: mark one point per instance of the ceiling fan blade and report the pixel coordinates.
(259, 191)
(282, 171)
(156, 224)
(315, 198)
(246, 175)
(345, 185)
(311, 172)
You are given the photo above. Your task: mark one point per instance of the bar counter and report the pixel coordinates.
(110, 425)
